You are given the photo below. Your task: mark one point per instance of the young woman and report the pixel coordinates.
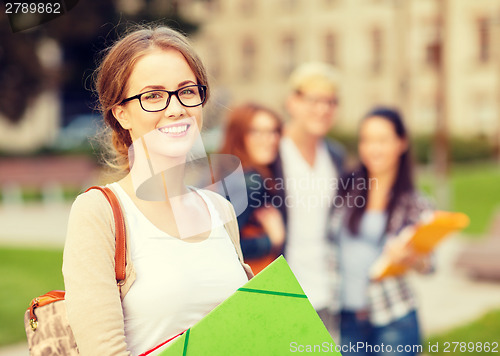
(151, 88)
(380, 201)
(253, 133)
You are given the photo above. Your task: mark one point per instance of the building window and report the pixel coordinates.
(330, 3)
(289, 5)
(331, 49)
(213, 6)
(249, 54)
(377, 50)
(288, 57)
(247, 7)
(433, 46)
(214, 61)
(483, 33)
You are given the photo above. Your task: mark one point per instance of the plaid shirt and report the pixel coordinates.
(392, 297)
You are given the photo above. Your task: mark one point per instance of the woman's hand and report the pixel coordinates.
(272, 221)
(400, 251)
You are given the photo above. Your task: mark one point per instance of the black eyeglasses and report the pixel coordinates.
(158, 100)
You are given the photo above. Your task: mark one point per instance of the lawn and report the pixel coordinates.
(26, 273)
(474, 190)
(468, 339)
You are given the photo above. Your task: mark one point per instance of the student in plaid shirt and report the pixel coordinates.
(378, 202)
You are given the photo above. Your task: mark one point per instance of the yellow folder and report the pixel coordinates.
(425, 238)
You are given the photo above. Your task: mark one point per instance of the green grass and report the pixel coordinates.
(474, 190)
(482, 330)
(25, 274)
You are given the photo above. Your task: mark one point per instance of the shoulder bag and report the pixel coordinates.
(46, 323)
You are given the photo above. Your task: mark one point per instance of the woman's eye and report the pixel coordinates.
(152, 96)
(188, 91)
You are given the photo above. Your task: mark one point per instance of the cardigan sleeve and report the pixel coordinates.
(92, 298)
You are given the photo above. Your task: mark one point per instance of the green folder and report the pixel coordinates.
(269, 315)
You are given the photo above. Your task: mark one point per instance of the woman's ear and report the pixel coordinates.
(121, 116)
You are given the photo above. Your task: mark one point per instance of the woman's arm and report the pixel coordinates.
(92, 296)
(271, 220)
(256, 247)
(403, 253)
(416, 208)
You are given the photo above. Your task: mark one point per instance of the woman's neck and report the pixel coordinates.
(156, 177)
(379, 192)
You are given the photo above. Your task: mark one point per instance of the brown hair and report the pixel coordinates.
(111, 79)
(238, 125)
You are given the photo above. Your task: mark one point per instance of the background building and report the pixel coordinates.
(438, 60)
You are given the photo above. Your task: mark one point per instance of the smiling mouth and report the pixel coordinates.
(178, 130)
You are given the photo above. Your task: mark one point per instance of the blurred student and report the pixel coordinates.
(309, 165)
(252, 134)
(380, 200)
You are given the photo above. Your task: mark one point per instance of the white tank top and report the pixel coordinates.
(177, 282)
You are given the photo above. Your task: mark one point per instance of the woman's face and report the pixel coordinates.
(379, 146)
(173, 130)
(262, 138)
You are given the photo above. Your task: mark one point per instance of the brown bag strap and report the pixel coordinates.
(120, 249)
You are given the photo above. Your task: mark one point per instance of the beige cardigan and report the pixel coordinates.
(93, 300)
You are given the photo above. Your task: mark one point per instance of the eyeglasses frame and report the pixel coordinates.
(315, 101)
(170, 93)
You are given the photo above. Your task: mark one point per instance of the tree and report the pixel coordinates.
(85, 30)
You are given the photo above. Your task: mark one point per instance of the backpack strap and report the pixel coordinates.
(120, 239)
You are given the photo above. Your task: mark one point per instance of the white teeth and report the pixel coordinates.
(174, 129)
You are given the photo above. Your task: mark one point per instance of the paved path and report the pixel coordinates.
(447, 298)
(15, 350)
(34, 225)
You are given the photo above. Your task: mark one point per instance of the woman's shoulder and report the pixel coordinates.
(90, 224)
(256, 184)
(92, 199)
(253, 179)
(91, 204)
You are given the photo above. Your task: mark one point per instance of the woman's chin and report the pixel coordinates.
(174, 150)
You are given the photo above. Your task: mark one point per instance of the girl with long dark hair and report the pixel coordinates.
(379, 202)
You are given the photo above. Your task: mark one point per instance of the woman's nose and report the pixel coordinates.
(174, 109)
